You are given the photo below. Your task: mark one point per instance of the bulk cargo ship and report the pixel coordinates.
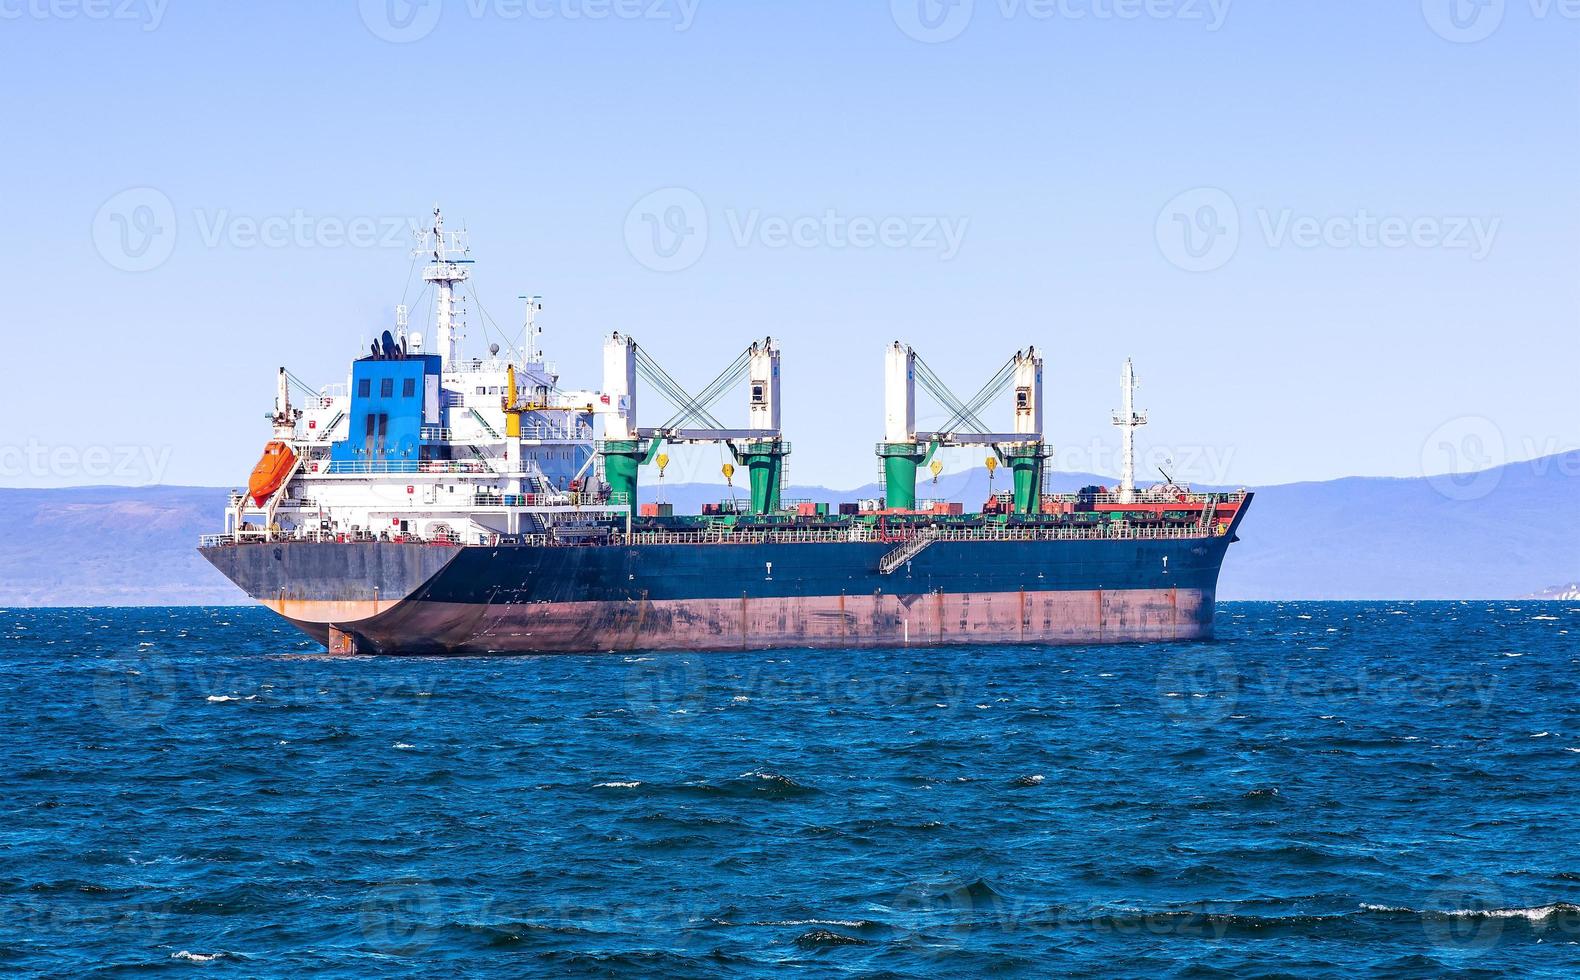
(437, 503)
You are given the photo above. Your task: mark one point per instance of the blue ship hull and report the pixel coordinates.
(421, 598)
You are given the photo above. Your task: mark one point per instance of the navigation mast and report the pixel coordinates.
(447, 253)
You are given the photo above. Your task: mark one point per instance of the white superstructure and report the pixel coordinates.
(499, 450)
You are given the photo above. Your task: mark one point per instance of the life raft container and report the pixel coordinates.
(270, 472)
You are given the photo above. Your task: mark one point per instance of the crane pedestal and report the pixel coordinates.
(900, 460)
(1025, 464)
(764, 461)
(622, 460)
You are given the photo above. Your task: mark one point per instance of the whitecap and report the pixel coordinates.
(402, 745)
(630, 785)
(217, 698)
(1541, 735)
(196, 957)
(847, 923)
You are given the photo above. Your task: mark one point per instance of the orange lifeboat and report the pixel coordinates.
(270, 472)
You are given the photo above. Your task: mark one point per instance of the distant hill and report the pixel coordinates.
(1355, 538)
(107, 546)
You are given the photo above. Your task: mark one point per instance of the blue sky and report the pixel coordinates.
(1338, 238)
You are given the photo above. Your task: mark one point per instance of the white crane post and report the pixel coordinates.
(284, 416)
(899, 395)
(1128, 420)
(763, 388)
(1028, 395)
(619, 388)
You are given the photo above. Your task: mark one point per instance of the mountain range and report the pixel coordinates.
(1511, 532)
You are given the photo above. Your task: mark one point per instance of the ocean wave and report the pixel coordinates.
(824, 937)
(1531, 913)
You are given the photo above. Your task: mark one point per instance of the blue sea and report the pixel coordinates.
(1327, 790)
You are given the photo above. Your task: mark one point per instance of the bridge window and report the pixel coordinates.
(364, 388)
(386, 387)
(408, 388)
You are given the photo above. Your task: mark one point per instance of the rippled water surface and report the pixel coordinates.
(1328, 789)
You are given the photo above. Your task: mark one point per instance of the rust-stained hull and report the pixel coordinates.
(934, 619)
(408, 597)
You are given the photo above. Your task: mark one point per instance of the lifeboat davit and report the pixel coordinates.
(270, 472)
